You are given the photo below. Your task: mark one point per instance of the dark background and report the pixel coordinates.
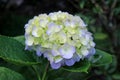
(15, 13)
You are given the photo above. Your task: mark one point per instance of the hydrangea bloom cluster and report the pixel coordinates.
(60, 37)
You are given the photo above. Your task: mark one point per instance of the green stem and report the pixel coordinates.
(37, 73)
(45, 71)
(38, 76)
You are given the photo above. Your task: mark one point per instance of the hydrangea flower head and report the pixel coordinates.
(60, 37)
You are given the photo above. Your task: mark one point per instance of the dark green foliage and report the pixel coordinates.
(13, 51)
(7, 74)
(81, 66)
(101, 58)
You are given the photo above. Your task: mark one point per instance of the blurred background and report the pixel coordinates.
(101, 16)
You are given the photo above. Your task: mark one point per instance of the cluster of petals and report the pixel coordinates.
(60, 37)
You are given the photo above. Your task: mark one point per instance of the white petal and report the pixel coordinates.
(29, 40)
(83, 41)
(35, 32)
(84, 51)
(43, 23)
(53, 16)
(28, 28)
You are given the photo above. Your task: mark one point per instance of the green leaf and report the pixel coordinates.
(116, 76)
(13, 51)
(7, 74)
(100, 36)
(101, 58)
(97, 10)
(81, 66)
(60, 79)
(113, 66)
(82, 4)
(21, 39)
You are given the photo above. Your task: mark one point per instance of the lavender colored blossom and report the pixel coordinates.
(60, 37)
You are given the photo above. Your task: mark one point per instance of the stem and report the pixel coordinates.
(38, 76)
(45, 71)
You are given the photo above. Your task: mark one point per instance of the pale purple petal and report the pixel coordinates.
(69, 62)
(82, 33)
(52, 28)
(62, 62)
(55, 52)
(48, 55)
(48, 32)
(28, 47)
(45, 55)
(92, 44)
(76, 58)
(55, 65)
(38, 51)
(91, 52)
(26, 25)
(67, 51)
